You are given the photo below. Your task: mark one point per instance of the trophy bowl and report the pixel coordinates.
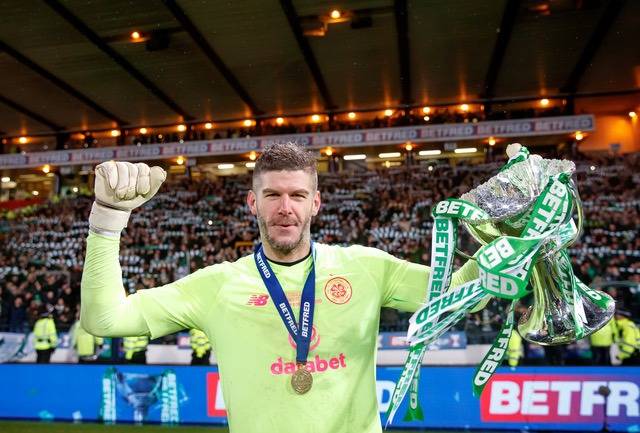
(141, 391)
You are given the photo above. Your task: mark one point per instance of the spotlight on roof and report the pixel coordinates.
(253, 155)
(180, 160)
(181, 128)
(426, 110)
(408, 147)
(248, 123)
(351, 115)
(579, 135)
(115, 133)
(208, 125)
(492, 141)
(315, 118)
(279, 120)
(46, 168)
(464, 108)
(466, 150)
(136, 36)
(335, 14)
(355, 157)
(22, 140)
(633, 114)
(143, 131)
(544, 102)
(389, 155)
(388, 112)
(432, 152)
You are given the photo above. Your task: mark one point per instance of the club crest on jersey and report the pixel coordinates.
(338, 290)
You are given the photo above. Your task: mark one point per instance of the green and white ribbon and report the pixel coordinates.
(446, 215)
(505, 267)
(108, 403)
(493, 358)
(170, 412)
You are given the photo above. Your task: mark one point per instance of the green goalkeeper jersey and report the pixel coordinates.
(256, 356)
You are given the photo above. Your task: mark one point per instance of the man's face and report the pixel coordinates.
(284, 202)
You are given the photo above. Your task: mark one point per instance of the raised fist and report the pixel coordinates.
(121, 187)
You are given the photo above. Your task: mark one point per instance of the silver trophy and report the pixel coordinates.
(141, 391)
(508, 199)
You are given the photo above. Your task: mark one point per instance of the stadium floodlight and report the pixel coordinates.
(354, 157)
(389, 155)
(225, 166)
(432, 152)
(466, 150)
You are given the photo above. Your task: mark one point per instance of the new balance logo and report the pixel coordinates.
(258, 300)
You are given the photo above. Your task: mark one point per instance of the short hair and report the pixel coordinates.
(286, 156)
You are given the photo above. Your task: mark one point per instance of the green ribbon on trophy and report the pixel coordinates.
(523, 252)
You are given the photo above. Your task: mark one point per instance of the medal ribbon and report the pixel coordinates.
(301, 333)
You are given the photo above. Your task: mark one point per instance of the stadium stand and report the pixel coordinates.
(206, 222)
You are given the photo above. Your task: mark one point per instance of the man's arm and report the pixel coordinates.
(120, 187)
(407, 283)
(106, 311)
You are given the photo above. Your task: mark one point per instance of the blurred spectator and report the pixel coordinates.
(601, 342)
(45, 337)
(86, 345)
(628, 338)
(135, 349)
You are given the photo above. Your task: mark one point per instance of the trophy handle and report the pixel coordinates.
(464, 255)
(577, 204)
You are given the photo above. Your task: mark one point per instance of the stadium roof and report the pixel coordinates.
(72, 65)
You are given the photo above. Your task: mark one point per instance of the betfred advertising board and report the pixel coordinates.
(544, 398)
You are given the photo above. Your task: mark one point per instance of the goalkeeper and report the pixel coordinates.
(294, 326)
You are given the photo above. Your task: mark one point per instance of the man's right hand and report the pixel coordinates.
(121, 187)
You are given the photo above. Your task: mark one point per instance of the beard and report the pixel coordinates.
(283, 248)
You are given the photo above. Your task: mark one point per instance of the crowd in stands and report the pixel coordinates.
(191, 224)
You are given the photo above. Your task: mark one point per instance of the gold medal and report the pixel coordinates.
(301, 380)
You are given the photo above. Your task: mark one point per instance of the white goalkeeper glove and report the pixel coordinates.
(121, 187)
